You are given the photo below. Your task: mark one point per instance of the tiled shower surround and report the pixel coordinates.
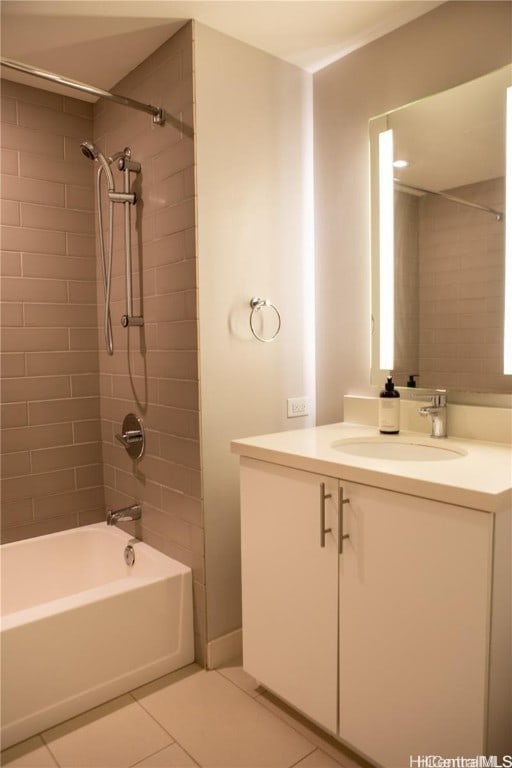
(406, 287)
(51, 449)
(69, 396)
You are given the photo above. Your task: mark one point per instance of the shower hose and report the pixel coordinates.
(106, 259)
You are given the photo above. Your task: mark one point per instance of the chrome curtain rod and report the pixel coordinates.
(157, 112)
(499, 215)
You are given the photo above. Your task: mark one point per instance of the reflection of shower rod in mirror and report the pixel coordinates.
(500, 216)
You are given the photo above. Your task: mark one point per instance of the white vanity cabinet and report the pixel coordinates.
(289, 587)
(415, 592)
(387, 644)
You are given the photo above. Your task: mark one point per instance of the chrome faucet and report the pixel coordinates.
(124, 515)
(438, 411)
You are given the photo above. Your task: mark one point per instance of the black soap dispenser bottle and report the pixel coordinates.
(389, 409)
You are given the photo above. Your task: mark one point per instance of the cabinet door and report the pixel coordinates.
(414, 609)
(290, 587)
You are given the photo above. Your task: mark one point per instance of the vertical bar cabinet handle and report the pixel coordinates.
(323, 529)
(341, 535)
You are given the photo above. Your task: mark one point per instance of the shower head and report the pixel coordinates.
(89, 150)
(93, 153)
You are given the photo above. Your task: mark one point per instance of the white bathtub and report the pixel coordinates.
(79, 626)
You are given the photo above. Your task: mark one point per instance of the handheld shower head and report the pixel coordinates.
(93, 153)
(89, 150)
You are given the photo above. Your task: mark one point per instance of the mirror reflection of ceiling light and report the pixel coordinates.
(400, 164)
(386, 250)
(507, 344)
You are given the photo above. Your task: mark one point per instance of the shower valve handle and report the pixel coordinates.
(132, 436)
(129, 437)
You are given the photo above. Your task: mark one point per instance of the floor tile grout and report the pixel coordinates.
(141, 705)
(174, 739)
(298, 762)
(41, 736)
(319, 740)
(316, 744)
(134, 765)
(255, 698)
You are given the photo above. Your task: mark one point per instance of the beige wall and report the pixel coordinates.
(51, 462)
(254, 188)
(454, 43)
(153, 371)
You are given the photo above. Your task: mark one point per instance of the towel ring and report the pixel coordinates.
(256, 305)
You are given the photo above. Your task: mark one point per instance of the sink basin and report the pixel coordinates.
(397, 449)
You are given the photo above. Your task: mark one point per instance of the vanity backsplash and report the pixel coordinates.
(472, 422)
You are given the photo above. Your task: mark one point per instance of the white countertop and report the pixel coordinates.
(481, 479)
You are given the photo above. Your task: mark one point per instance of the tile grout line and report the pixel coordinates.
(226, 677)
(314, 747)
(318, 740)
(54, 757)
(134, 765)
(281, 719)
(297, 764)
(174, 740)
(147, 712)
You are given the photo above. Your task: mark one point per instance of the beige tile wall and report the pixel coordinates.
(154, 372)
(51, 450)
(462, 294)
(406, 288)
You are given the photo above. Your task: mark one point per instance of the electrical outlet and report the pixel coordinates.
(297, 406)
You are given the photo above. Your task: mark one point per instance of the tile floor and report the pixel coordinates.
(217, 719)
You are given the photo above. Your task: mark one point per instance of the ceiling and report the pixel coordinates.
(99, 42)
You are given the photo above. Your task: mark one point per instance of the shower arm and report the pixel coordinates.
(158, 113)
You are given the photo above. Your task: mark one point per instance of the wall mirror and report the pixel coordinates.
(438, 229)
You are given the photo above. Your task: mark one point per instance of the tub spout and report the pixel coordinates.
(124, 515)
